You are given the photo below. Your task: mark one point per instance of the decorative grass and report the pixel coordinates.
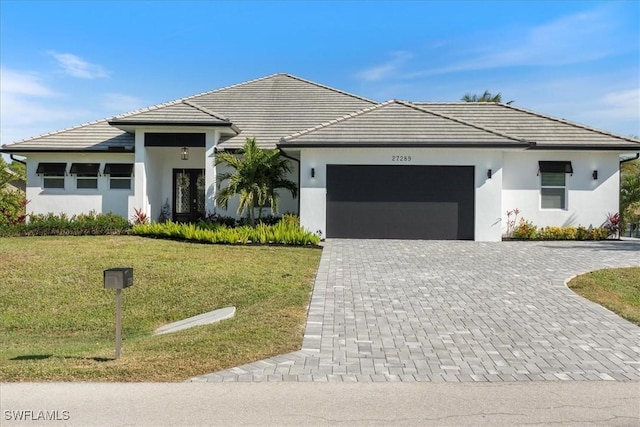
(57, 321)
(282, 233)
(617, 289)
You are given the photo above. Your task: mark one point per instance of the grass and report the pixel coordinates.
(57, 321)
(617, 289)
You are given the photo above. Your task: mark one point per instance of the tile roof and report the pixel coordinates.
(94, 136)
(398, 123)
(543, 131)
(278, 105)
(181, 112)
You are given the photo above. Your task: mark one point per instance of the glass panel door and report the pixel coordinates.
(188, 195)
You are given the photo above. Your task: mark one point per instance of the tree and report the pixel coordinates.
(630, 192)
(12, 202)
(19, 169)
(485, 97)
(256, 176)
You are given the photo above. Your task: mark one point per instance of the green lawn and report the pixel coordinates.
(617, 289)
(57, 321)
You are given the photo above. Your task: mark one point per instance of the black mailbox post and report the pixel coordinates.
(118, 279)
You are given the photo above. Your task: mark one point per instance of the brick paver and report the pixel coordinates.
(389, 310)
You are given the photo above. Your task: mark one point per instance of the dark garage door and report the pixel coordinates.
(400, 202)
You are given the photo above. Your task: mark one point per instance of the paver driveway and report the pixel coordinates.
(389, 310)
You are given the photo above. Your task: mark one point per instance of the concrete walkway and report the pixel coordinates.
(388, 310)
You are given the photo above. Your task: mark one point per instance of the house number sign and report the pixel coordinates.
(400, 158)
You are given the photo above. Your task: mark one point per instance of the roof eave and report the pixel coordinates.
(585, 147)
(118, 123)
(403, 145)
(17, 150)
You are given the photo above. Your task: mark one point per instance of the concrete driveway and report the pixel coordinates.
(389, 310)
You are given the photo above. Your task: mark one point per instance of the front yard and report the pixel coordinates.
(57, 321)
(617, 289)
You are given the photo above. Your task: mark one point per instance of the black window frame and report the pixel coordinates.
(119, 173)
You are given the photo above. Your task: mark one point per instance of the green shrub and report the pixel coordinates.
(525, 230)
(12, 207)
(285, 232)
(62, 225)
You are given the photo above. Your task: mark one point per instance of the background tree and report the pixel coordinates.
(20, 170)
(12, 201)
(255, 176)
(629, 192)
(485, 97)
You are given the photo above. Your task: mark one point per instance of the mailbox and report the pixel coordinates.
(118, 278)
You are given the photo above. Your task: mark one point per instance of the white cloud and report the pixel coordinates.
(623, 104)
(28, 107)
(22, 83)
(385, 70)
(120, 103)
(572, 39)
(78, 67)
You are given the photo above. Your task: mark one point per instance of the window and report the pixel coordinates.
(553, 190)
(119, 183)
(86, 175)
(52, 175)
(553, 183)
(119, 175)
(52, 181)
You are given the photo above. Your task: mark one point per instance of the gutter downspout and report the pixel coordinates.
(630, 159)
(297, 161)
(17, 160)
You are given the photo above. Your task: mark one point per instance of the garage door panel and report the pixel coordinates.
(400, 202)
(375, 220)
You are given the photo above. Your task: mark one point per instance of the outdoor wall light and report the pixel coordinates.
(184, 153)
(594, 175)
(489, 173)
(313, 172)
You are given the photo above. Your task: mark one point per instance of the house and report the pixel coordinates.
(365, 169)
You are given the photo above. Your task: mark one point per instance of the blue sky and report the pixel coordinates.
(67, 63)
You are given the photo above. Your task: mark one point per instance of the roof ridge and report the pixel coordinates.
(328, 87)
(453, 102)
(336, 120)
(54, 132)
(567, 122)
(464, 122)
(204, 110)
(186, 98)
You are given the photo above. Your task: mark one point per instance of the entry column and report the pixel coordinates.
(210, 141)
(140, 197)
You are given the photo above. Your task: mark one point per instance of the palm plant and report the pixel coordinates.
(485, 97)
(255, 176)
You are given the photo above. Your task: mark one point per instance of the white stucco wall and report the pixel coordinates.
(514, 184)
(488, 192)
(71, 200)
(588, 200)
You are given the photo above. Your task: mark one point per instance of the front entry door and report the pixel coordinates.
(188, 195)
